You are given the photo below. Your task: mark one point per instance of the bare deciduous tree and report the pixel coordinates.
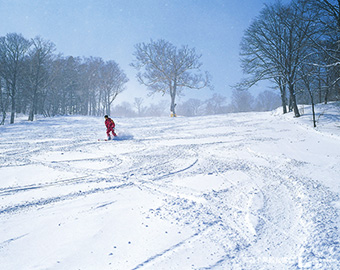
(37, 74)
(267, 101)
(138, 104)
(167, 69)
(216, 104)
(13, 48)
(91, 82)
(4, 100)
(242, 101)
(329, 46)
(191, 107)
(113, 80)
(276, 44)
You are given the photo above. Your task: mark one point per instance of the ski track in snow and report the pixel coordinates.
(238, 194)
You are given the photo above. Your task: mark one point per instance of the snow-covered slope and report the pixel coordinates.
(238, 191)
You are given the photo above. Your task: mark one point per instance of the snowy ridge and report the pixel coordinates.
(247, 191)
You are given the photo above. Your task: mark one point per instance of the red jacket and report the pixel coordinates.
(109, 123)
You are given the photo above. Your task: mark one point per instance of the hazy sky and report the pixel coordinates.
(110, 29)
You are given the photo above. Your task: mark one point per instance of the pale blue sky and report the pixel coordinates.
(110, 29)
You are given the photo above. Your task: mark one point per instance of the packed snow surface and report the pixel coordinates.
(238, 191)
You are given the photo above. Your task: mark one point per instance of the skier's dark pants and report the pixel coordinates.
(110, 130)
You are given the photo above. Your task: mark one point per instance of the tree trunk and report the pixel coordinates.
(3, 118)
(328, 90)
(311, 98)
(173, 89)
(3, 107)
(313, 110)
(12, 110)
(33, 105)
(108, 111)
(283, 98)
(293, 101)
(31, 115)
(172, 106)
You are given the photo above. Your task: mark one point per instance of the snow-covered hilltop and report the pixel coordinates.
(238, 191)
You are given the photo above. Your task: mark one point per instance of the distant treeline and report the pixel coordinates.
(241, 101)
(35, 80)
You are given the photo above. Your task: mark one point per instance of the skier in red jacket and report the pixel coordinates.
(110, 127)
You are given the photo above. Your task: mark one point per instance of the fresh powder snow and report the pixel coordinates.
(236, 191)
